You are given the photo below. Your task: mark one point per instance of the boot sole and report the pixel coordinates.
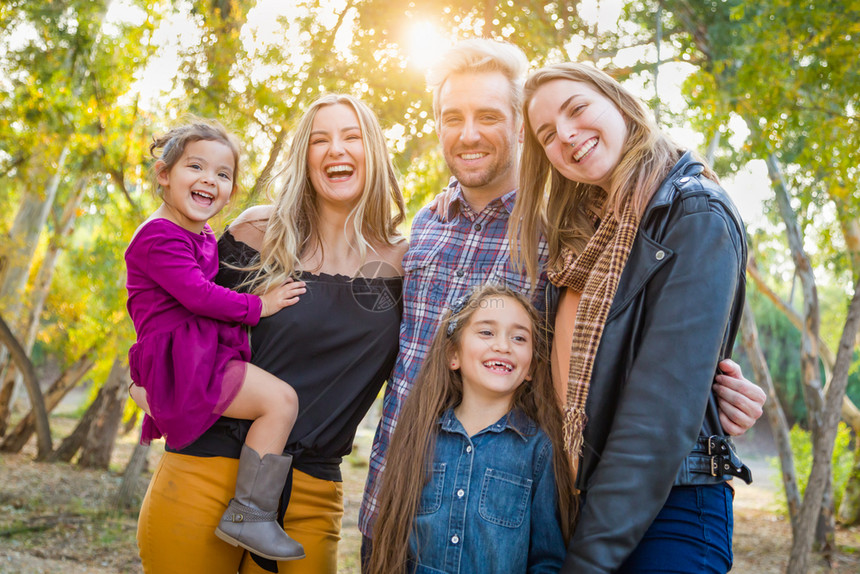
(234, 542)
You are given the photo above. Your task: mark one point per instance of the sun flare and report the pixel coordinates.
(425, 44)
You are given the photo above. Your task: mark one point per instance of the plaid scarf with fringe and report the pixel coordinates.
(595, 273)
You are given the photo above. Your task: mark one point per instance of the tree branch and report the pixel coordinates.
(25, 367)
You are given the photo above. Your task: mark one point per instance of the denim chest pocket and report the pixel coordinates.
(431, 496)
(504, 498)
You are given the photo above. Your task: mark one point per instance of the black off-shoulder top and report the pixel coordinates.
(336, 347)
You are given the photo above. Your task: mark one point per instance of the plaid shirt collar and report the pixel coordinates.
(459, 206)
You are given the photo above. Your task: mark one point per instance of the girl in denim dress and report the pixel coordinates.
(476, 480)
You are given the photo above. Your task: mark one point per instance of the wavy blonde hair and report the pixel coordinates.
(435, 390)
(291, 231)
(551, 204)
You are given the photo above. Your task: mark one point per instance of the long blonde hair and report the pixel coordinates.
(291, 231)
(436, 389)
(647, 157)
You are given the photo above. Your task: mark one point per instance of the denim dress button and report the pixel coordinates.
(461, 493)
(455, 539)
(660, 255)
(469, 448)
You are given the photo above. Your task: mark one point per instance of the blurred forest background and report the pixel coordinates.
(768, 90)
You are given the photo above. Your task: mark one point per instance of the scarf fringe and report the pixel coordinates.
(573, 428)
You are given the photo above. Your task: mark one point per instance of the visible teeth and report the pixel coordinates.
(584, 149)
(470, 156)
(203, 194)
(504, 366)
(337, 169)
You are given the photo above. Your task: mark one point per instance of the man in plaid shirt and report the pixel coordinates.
(477, 95)
(477, 103)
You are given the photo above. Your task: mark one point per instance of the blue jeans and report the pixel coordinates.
(692, 534)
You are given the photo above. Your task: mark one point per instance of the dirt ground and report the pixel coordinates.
(57, 518)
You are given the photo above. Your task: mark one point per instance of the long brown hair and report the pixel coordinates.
(436, 389)
(647, 158)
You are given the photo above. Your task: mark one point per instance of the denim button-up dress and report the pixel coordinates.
(490, 505)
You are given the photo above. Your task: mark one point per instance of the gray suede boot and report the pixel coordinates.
(251, 519)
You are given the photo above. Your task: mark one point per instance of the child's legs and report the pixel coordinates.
(273, 406)
(313, 519)
(692, 534)
(183, 504)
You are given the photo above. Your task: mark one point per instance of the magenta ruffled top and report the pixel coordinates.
(191, 344)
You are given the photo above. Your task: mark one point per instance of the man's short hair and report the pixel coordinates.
(477, 56)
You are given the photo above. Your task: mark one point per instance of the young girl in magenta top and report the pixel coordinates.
(476, 480)
(190, 363)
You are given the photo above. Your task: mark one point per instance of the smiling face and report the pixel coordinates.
(199, 184)
(580, 130)
(495, 348)
(336, 165)
(477, 130)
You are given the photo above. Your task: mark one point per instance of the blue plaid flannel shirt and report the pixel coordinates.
(443, 262)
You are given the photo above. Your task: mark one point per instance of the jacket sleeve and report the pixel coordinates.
(661, 407)
(171, 263)
(546, 544)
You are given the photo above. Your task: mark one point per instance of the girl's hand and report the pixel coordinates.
(740, 401)
(280, 297)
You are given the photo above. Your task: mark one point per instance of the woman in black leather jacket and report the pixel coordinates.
(648, 254)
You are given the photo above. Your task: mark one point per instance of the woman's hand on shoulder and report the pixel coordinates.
(250, 226)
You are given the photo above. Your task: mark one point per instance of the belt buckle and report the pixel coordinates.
(717, 445)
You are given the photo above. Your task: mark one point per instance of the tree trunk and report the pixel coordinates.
(98, 446)
(823, 443)
(850, 412)
(68, 380)
(43, 430)
(265, 178)
(126, 497)
(38, 296)
(72, 443)
(849, 509)
(129, 425)
(15, 264)
(809, 335)
(773, 411)
(6, 389)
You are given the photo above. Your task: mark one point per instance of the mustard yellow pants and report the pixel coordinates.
(185, 500)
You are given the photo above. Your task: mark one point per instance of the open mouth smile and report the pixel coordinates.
(202, 197)
(584, 149)
(499, 366)
(339, 172)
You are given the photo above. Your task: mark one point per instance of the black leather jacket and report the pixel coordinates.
(651, 409)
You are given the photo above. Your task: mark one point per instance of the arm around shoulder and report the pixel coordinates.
(250, 226)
